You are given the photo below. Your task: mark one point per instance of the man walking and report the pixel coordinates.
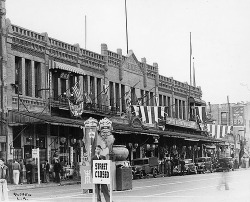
(100, 187)
(16, 172)
(3, 181)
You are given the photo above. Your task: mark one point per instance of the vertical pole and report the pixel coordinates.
(190, 77)
(85, 32)
(18, 97)
(38, 165)
(126, 24)
(111, 183)
(229, 114)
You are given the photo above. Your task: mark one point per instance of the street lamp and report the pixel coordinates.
(18, 93)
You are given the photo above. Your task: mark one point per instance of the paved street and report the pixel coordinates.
(201, 187)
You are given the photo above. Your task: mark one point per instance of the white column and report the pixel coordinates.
(120, 97)
(32, 87)
(23, 76)
(95, 89)
(59, 87)
(88, 82)
(114, 93)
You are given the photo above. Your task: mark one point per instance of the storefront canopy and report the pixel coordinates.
(126, 128)
(66, 67)
(24, 117)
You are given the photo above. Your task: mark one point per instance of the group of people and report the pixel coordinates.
(175, 156)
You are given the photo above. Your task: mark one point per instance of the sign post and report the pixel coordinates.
(102, 175)
(35, 154)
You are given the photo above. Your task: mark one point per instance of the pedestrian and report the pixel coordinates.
(100, 187)
(46, 169)
(224, 180)
(29, 172)
(3, 180)
(167, 166)
(16, 172)
(182, 163)
(57, 170)
(21, 171)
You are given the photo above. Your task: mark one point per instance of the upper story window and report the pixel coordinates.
(223, 118)
(18, 74)
(28, 87)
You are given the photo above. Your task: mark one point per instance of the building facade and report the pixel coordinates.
(38, 76)
(235, 115)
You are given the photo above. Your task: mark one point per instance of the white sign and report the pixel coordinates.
(86, 177)
(34, 153)
(91, 134)
(101, 172)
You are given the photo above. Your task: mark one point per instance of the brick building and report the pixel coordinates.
(37, 76)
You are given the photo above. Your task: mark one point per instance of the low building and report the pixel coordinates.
(41, 75)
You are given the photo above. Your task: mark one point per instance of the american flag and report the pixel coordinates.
(77, 93)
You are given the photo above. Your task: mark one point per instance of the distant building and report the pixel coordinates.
(236, 115)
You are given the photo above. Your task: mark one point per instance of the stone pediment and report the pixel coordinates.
(131, 63)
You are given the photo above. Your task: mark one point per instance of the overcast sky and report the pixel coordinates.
(158, 30)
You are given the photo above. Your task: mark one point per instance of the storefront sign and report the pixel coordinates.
(238, 115)
(119, 120)
(34, 153)
(182, 123)
(101, 172)
(2, 138)
(86, 178)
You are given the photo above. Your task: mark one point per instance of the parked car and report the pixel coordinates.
(225, 164)
(190, 167)
(204, 164)
(144, 166)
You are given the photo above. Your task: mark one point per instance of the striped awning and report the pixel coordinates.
(66, 67)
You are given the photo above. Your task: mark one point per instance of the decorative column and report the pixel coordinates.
(32, 86)
(95, 90)
(156, 97)
(23, 76)
(88, 82)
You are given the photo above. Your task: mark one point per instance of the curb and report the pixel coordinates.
(42, 185)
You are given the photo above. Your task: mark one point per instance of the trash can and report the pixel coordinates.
(123, 178)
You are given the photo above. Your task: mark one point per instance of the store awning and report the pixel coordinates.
(24, 117)
(197, 101)
(66, 67)
(127, 129)
(188, 137)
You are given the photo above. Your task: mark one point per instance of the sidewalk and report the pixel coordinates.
(12, 187)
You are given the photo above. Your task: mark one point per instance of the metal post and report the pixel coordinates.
(18, 97)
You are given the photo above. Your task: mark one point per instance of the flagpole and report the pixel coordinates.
(194, 82)
(126, 24)
(85, 32)
(190, 77)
